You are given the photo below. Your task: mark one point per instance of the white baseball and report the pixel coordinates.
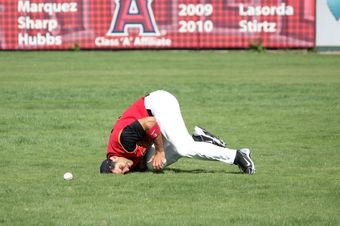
(68, 176)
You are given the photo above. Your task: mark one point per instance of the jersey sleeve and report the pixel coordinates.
(154, 132)
(130, 135)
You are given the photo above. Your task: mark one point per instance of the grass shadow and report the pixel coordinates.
(198, 171)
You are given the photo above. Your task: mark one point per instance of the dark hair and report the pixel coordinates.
(107, 165)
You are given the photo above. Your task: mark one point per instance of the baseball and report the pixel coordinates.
(68, 176)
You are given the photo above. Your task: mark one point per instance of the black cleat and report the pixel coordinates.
(244, 161)
(203, 135)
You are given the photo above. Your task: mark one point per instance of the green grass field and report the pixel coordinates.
(57, 110)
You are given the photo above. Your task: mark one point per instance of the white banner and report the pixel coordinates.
(328, 23)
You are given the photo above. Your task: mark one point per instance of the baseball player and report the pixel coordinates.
(151, 135)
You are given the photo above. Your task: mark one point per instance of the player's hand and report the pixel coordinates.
(158, 160)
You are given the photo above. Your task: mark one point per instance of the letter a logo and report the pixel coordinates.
(133, 13)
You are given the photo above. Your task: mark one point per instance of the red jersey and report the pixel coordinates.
(115, 148)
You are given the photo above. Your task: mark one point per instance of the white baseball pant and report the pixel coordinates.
(177, 141)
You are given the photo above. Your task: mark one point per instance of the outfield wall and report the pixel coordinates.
(156, 24)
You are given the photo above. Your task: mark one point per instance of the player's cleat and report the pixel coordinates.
(244, 161)
(203, 135)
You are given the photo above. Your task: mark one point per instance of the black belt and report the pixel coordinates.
(149, 112)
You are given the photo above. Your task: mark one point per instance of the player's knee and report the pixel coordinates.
(150, 166)
(185, 148)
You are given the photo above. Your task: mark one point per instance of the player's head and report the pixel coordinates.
(107, 166)
(116, 165)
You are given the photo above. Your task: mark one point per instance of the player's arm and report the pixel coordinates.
(158, 160)
(152, 129)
